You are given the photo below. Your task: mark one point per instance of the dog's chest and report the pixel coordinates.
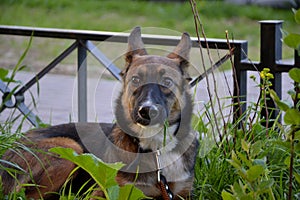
(173, 170)
(173, 167)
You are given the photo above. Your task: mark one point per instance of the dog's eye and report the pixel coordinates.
(167, 82)
(136, 80)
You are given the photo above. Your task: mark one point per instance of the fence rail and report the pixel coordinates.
(270, 57)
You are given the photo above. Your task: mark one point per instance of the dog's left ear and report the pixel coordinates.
(135, 47)
(182, 53)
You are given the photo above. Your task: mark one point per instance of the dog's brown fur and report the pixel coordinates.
(155, 89)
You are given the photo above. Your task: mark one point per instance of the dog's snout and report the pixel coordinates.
(149, 112)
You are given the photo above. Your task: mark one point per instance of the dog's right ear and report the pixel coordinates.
(135, 46)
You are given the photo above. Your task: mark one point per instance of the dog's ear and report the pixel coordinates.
(182, 53)
(135, 45)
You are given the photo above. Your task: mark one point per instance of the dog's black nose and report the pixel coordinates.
(148, 112)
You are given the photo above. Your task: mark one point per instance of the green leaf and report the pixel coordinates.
(3, 73)
(244, 159)
(292, 116)
(113, 192)
(283, 144)
(254, 172)
(234, 161)
(261, 162)
(266, 184)
(281, 104)
(104, 174)
(256, 148)
(292, 40)
(295, 74)
(245, 145)
(128, 192)
(238, 188)
(227, 196)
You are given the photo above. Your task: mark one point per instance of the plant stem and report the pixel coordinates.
(291, 164)
(199, 26)
(264, 91)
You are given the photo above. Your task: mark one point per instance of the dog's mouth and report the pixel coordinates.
(148, 115)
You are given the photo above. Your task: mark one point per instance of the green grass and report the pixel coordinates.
(113, 15)
(218, 172)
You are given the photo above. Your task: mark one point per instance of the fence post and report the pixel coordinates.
(271, 53)
(297, 58)
(82, 81)
(240, 84)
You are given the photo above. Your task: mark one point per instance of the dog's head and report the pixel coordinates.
(155, 88)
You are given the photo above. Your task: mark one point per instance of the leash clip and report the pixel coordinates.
(162, 181)
(158, 165)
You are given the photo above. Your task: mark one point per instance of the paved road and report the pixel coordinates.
(57, 99)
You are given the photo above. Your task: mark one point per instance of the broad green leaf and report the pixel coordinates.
(3, 73)
(104, 174)
(245, 145)
(128, 192)
(227, 196)
(244, 159)
(292, 40)
(234, 164)
(265, 185)
(295, 74)
(114, 192)
(254, 172)
(234, 161)
(283, 144)
(281, 104)
(238, 188)
(292, 116)
(261, 162)
(292, 93)
(274, 95)
(247, 197)
(256, 148)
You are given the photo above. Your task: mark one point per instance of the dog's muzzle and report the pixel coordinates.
(150, 113)
(149, 107)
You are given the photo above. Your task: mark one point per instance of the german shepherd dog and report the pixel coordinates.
(152, 135)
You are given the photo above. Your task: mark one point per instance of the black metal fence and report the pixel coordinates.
(271, 49)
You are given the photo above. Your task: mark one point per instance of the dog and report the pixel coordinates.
(152, 135)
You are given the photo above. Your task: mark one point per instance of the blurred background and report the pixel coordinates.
(169, 17)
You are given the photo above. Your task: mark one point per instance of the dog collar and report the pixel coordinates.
(167, 194)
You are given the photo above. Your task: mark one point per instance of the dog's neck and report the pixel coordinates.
(157, 138)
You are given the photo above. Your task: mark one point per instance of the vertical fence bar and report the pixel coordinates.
(240, 84)
(82, 82)
(297, 59)
(271, 52)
